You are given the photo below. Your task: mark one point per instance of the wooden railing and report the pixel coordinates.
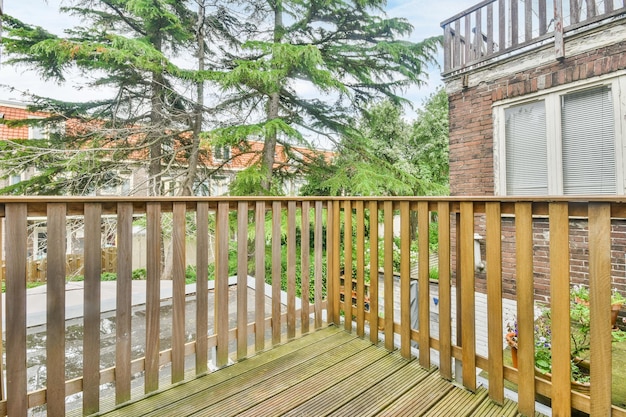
(498, 28)
(309, 244)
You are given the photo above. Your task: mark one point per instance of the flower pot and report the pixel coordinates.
(583, 388)
(513, 345)
(615, 308)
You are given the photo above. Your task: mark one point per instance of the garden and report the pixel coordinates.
(580, 342)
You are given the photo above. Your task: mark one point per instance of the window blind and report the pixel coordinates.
(526, 149)
(588, 142)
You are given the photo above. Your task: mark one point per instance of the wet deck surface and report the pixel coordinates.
(328, 372)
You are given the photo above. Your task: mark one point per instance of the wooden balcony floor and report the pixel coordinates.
(329, 372)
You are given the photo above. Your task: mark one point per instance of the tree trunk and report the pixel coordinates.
(273, 109)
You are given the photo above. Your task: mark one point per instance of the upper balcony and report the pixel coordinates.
(494, 30)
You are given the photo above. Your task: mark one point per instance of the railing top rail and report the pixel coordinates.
(192, 199)
(467, 11)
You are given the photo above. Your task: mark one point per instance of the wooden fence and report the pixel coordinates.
(281, 228)
(74, 265)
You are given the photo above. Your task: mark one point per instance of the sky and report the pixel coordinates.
(424, 15)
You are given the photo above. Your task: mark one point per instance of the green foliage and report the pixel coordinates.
(389, 156)
(139, 274)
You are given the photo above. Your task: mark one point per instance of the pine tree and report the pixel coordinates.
(347, 52)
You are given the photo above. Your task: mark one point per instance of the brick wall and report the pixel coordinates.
(471, 122)
(472, 163)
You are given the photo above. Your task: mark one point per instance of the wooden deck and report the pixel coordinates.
(329, 372)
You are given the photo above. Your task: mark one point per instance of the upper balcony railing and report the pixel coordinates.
(500, 28)
(308, 248)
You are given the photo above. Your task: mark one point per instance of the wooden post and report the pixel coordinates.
(17, 401)
(123, 316)
(405, 283)
(374, 319)
(242, 280)
(153, 295)
(202, 304)
(388, 268)
(445, 298)
(259, 276)
(55, 317)
(559, 45)
(423, 224)
(360, 269)
(91, 336)
(305, 264)
(291, 269)
(276, 271)
(559, 294)
(178, 292)
(599, 300)
(468, 335)
(525, 306)
(347, 261)
(494, 301)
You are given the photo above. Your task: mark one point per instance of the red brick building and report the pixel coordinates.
(229, 160)
(538, 107)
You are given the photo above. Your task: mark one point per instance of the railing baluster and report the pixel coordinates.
(528, 20)
(388, 272)
(468, 39)
(560, 305)
(305, 264)
(319, 254)
(16, 233)
(591, 9)
(493, 252)
(373, 229)
(447, 41)
(334, 248)
(514, 22)
(608, 6)
(276, 271)
(178, 292)
(502, 32)
(123, 307)
(259, 276)
(478, 35)
(291, 269)
(456, 58)
(2, 279)
(347, 262)
(445, 298)
(405, 281)
(543, 18)
(468, 307)
(221, 283)
(242, 280)
(202, 276)
(55, 318)
(525, 306)
(490, 48)
(153, 295)
(423, 224)
(91, 334)
(360, 269)
(574, 11)
(599, 299)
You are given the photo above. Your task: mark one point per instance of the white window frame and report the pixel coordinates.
(552, 99)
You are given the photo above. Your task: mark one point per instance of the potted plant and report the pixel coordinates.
(580, 338)
(580, 295)
(511, 340)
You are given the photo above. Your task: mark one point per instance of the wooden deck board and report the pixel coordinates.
(350, 388)
(328, 372)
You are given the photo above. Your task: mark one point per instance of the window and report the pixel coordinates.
(567, 142)
(221, 153)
